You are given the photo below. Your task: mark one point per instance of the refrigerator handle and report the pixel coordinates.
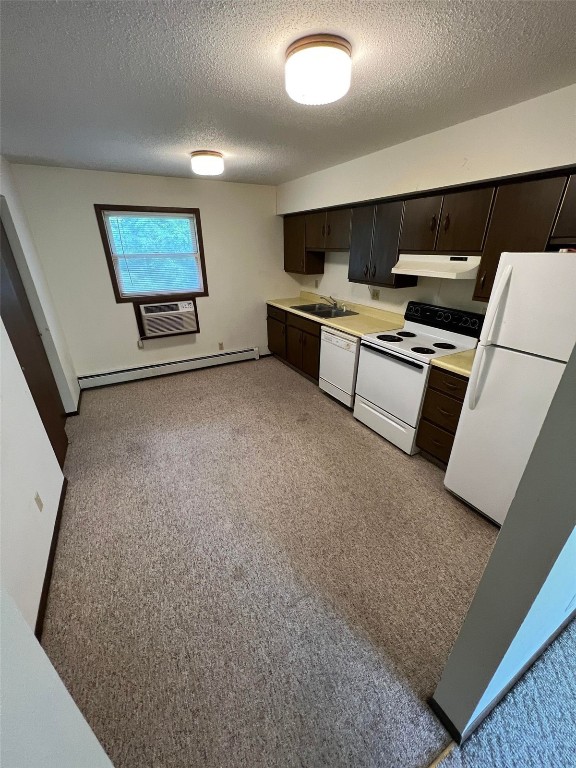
(494, 306)
(475, 375)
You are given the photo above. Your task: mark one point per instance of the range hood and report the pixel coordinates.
(437, 265)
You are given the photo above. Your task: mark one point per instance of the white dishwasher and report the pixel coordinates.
(338, 364)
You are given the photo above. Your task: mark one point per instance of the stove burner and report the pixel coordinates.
(388, 337)
(406, 334)
(444, 345)
(424, 350)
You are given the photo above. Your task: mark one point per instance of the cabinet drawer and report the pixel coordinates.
(441, 410)
(277, 314)
(434, 440)
(309, 326)
(448, 383)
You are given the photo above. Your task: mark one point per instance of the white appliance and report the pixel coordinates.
(437, 265)
(338, 364)
(527, 338)
(394, 367)
(169, 318)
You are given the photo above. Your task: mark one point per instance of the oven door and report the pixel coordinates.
(392, 382)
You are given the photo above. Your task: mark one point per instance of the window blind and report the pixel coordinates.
(154, 253)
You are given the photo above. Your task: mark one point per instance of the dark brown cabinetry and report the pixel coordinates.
(316, 231)
(451, 223)
(297, 258)
(420, 225)
(276, 322)
(338, 229)
(374, 238)
(463, 221)
(294, 339)
(564, 231)
(440, 413)
(303, 345)
(521, 220)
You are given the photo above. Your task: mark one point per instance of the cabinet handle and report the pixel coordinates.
(433, 222)
(366, 271)
(450, 385)
(438, 443)
(447, 222)
(482, 280)
(445, 413)
(329, 230)
(303, 337)
(373, 271)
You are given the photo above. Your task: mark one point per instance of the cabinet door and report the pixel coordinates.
(464, 220)
(294, 346)
(565, 227)
(316, 231)
(361, 243)
(294, 243)
(387, 223)
(310, 355)
(421, 219)
(276, 337)
(338, 230)
(521, 220)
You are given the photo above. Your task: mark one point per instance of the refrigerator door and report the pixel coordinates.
(532, 308)
(493, 442)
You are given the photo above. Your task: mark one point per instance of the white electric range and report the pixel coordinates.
(394, 366)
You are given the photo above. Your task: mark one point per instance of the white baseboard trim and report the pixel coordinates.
(162, 369)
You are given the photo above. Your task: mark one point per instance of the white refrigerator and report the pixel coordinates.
(528, 335)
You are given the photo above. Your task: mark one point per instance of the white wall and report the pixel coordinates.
(530, 136)
(334, 282)
(41, 301)
(244, 261)
(29, 466)
(41, 725)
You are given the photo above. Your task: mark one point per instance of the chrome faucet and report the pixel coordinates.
(330, 300)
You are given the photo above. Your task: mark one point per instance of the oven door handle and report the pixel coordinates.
(403, 360)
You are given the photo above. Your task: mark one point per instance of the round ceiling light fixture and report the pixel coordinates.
(318, 69)
(205, 162)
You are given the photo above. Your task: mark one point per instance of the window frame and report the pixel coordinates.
(100, 209)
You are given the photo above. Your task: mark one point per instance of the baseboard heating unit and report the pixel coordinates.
(162, 369)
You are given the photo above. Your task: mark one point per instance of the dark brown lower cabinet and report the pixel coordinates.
(294, 339)
(440, 413)
(303, 345)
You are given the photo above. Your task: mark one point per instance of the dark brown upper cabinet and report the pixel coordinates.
(296, 256)
(374, 245)
(420, 225)
(521, 220)
(338, 229)
(316, 231)
(564, 231)
(464, 220)
(328, 230)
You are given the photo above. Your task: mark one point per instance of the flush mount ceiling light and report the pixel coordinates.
(318, 69)
(207, 163)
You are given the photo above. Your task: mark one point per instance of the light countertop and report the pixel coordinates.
(460, 362)
(371, 320)
(368, 320)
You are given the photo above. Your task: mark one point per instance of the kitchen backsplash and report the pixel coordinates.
(334, 282)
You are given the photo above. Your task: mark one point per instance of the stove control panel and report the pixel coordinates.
(454, 320)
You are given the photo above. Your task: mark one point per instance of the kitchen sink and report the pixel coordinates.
(323, 310)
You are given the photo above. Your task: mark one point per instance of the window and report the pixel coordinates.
(153, 252)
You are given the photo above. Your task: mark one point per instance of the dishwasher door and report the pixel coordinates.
(338, 364)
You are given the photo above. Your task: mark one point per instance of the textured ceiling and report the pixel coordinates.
(135, 86)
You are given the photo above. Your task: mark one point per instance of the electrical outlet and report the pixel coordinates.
(316, 283)
(39, 502)
(220, 345)
(375, 294)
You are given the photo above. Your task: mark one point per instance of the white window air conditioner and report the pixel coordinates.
(169, 318)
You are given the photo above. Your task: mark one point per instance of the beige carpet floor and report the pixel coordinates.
(247, 576)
